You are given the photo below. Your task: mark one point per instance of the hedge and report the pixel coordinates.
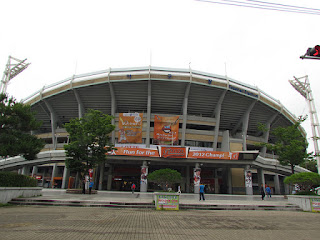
(12, 179)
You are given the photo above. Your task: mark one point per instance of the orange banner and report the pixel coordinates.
(213, 155)
(173, 152)
(130, 127)
(139, 152)
(166, 130)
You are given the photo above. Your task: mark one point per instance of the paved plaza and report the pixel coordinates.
(53, 222)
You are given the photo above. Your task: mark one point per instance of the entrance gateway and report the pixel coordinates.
(221, 172)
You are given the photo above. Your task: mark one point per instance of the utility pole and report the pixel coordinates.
(304, 88)
(13, 68)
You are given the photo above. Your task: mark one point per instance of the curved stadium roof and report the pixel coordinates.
(169, 89)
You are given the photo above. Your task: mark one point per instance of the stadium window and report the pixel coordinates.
(200, 127)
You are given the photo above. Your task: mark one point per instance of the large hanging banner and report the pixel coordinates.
(130, 127)
(166, 130)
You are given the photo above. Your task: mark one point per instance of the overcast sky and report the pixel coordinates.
(258, 47)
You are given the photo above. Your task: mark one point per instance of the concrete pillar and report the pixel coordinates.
(216, 181)
(144, 176)
(276, 184)
(65, 178)
(248, 180)
(34, 171)
(229, 180)
(197, 176)
(261, 179)
(187, 179)
(26, 170)
(101, 176)
(148, 115)
(54, 173)
(110, 171)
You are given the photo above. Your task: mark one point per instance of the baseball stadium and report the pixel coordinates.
(203, 125)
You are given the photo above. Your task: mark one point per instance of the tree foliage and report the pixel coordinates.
(291, 146)
(305, 180)
(16, 123)
(89, 141)
(164, 177)
(310, 164)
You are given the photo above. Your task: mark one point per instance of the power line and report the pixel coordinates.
(266, 6)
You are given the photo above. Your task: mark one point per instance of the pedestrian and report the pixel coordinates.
(84, 186)
(179, 189)
(133, 187)
(262, 192)
(90, 186)
(201, 192)
(268, 191)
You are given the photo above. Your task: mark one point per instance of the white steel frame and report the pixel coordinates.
(304, 89)
(13, 68)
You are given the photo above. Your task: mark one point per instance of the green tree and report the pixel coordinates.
(164, 177)
(89, 141)
(305, 180)
(16, 123)
(291, 146)
(310, 164)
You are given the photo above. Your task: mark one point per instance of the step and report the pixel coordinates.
(46, 202)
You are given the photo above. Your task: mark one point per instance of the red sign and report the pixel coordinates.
(173, 152)
(213, 155)
(38, 177)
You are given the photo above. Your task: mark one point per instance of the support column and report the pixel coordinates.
(144, 176)
(54, 173)
(196, 178)
(248, 180)
(261, 179)
(110, 171)
(66, 174)
(216, 181)
(185, 114)
(187, 179)
(229, 180)
(34, 171)
(276, 184)
(148, 114)
(25, 170)
(101, 176)
(217, 114)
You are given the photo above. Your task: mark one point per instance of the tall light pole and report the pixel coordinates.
(303, 87)
(13, 68)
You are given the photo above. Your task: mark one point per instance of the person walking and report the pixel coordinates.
(90, 186)
(201, 192)
(179, 189)
(262, 192)
(268, 191)
(133, 188)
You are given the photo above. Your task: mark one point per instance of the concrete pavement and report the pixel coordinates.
(41, 222)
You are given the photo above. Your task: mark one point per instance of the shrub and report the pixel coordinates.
(305, 180)
(11, 179)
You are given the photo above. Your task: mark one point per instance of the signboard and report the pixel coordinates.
(166, 130)
(248, 177)
(167, 202)
(213, 155)
(139, 152)
(144, 175)
(315, 204)
(173, 152)
(196, 176)
(130, 127)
